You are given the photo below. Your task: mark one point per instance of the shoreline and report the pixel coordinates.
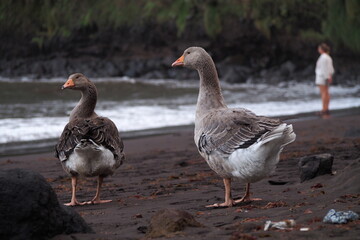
(47, 145)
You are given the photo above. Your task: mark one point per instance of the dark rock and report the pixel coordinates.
(230, 76)
(120, 66)
(37, 68)
(264, 73)
(142, 229)
(287, 69)
(132, 69)
(233, 73)
(167, 61)
(110, 69)
(56, 66)
(272, 76)
(30, 209)
(169, 221)
(315, 165)
(309, 71)
(153, 63)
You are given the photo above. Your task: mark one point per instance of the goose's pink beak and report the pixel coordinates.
(178, 62)
(69, 83)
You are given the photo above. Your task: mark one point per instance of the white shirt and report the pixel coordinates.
(324, 69)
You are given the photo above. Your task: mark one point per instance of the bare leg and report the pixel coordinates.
(322, 94)
(96, 199)
(246, 197)
(325, 98)
(229, 202)
(73, 201)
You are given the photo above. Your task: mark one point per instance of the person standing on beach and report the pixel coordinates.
(324, 71)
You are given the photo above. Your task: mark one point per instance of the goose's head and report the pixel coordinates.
(76, 81)
(193, 57)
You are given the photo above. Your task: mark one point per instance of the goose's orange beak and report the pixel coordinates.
(178, 62)
(69, 83)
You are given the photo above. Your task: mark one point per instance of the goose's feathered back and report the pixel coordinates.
(100, 129)
(226, 130)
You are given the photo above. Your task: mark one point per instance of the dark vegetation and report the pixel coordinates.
(257, 34)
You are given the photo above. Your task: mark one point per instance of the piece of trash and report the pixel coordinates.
(340, 217)
(304, 229)
(286, 224)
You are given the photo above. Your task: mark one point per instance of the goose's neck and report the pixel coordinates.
(86, 106)
(210, 96)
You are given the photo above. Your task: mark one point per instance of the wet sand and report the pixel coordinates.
(166, 171)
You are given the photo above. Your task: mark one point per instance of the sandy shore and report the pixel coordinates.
(165, 171)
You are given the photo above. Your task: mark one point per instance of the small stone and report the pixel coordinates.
(315, 165)
(142, 229)
(167, 222)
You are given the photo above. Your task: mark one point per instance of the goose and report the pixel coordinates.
(235, 142)
(90, 145)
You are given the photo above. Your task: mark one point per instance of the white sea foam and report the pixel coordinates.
(147, 117)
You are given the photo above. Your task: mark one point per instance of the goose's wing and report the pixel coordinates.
(100, 129)
(68, 140)
(226, 130)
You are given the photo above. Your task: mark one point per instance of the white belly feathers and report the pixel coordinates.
(90, 159)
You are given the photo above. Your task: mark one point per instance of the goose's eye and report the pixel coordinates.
(188, 52)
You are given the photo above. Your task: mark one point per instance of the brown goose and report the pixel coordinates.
(90, 145)
(235, 143)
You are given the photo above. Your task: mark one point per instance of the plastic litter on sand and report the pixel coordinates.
(340, 217)
(286, 224)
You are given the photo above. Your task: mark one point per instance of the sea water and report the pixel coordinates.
(35, 109)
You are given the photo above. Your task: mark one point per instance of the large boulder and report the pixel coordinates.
(29, 208)
(167, 222)
(315, 165)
